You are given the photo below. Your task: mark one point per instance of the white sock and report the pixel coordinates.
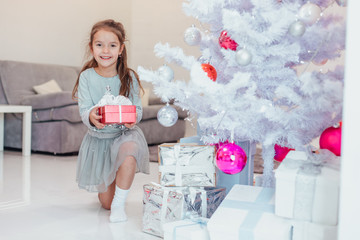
(118, 205)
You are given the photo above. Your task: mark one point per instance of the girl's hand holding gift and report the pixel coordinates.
(95, 118)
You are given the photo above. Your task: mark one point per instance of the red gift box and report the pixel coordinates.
(119, 114)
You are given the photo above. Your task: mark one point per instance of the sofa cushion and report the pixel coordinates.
(18, 78)
(49, 87)
(68, 113)
(50, 100)
(145, 97)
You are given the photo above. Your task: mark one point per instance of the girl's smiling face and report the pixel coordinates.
(106, 49)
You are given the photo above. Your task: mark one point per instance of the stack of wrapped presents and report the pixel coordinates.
(179, 206)
(302, 206)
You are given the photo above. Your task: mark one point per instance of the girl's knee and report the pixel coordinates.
(106, 205)
(105, 202)
(106, 198)
(130, 160)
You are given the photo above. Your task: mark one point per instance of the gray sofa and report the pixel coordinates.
(56, 124)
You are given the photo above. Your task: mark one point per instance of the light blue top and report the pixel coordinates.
(92, 88)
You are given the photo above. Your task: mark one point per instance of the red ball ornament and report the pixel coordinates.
(231, 158)
(226, 42)
(210, 70)
(320, 63)
(331, 139)
(281, 152)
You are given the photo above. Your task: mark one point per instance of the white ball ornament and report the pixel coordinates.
(192, 36)
(297, 28)
(243, 57)
(309, 13)
(167, 116)
(166, 73)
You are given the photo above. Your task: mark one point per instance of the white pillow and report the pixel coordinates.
(145, 97)
(49, 87)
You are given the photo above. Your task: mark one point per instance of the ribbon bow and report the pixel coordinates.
(310, 163)
(109, 99)
(194, 220)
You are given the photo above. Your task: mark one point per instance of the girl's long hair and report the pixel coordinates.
(123, 70)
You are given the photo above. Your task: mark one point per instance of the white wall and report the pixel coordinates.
(53, 31)
(159, 21)
(350, 163)
(56, 31)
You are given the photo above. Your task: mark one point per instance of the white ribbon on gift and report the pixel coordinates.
(194, 221)
(255, 211)
(180, 170)
(309, 167)
(193, 192)
(120, 114)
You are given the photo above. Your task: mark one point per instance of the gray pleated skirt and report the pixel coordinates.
(101, 155)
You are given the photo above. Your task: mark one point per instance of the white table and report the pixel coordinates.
(26, 130)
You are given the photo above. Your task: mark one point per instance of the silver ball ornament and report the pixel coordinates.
(192, 36)
(297, 28)
(341, 3)
(167, 116)
(243, 57)
(166, 73)
(309, 13)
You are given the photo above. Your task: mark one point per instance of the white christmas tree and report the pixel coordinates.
(258, 93)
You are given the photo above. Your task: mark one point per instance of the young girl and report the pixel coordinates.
(109, 157)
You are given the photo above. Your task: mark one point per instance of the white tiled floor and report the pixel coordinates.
(57, 209)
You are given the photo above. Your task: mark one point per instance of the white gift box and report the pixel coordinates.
(303, 230)
(247, 212)
(186, 230)
(187, 165)
(308, 190)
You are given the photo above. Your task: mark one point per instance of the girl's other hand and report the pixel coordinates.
(95, 118)
(130, 125)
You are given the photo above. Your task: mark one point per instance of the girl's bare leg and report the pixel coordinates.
(124, 178)
(126, 173)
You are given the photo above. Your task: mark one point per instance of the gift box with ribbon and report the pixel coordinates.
(247, 212)
(117, 114)
(187, 229)
(307, 187)
(187, 165)
(167, 204)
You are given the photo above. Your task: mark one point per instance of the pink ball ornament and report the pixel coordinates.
(226, 42)
(331, 139)
(281, 152)
(230, 158)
